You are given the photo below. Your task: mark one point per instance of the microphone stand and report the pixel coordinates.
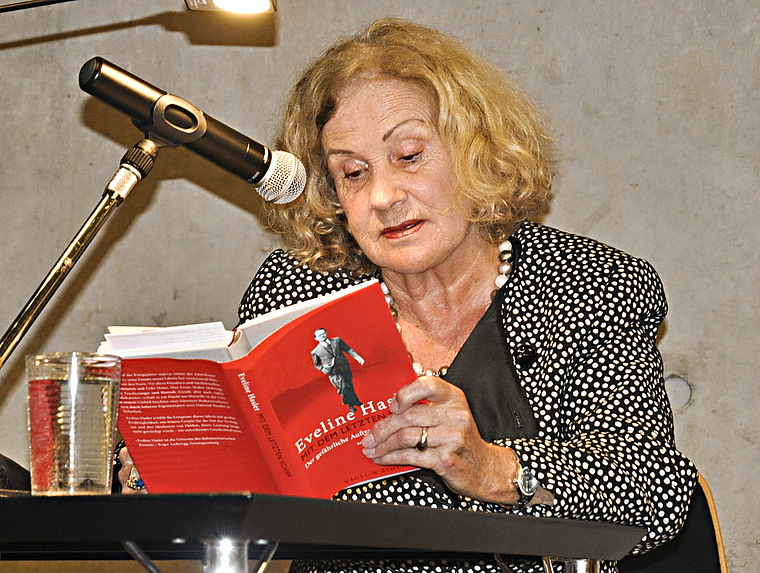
(135, 165)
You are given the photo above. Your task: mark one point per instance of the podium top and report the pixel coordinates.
(307, 525)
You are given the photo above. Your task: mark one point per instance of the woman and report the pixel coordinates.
(424, 165)
(540, 388)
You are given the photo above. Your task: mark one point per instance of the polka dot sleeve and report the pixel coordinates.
(606, 446)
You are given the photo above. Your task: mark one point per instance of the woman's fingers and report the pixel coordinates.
(430, 403)
(431, 426)
(424, 389)
(128, 475)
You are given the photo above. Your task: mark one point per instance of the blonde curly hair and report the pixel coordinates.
(500, 149)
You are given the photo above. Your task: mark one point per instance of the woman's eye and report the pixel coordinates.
(410, 153)
(352, 174)
(352, 170)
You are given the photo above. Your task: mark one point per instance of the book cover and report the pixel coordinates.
(287, 418)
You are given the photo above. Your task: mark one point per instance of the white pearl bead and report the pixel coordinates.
(500, 281)
(505, 246)
(418, 368)
(384, 288)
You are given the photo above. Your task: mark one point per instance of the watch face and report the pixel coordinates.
(528, 482)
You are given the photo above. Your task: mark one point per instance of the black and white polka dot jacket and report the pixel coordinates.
(582, 317)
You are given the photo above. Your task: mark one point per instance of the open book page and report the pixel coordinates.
(306, 396)
(207, 340)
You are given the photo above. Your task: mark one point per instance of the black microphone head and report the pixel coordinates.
(285, 179)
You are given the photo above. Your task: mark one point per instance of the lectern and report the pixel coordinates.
(174, 526)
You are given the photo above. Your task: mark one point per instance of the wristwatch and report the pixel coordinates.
(527, 485)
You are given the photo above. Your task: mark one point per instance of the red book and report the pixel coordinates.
(287, 418)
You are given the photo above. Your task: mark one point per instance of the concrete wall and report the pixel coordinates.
(654, 104)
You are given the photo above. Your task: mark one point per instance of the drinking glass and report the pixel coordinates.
(72, 411)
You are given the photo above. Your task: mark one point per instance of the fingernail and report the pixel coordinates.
(368, 441)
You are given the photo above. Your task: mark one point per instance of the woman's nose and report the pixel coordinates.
(386, 191)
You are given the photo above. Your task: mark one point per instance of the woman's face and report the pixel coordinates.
(394, 176)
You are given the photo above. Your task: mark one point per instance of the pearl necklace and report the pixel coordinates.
(505, 269)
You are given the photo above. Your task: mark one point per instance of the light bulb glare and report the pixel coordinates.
(244, 6)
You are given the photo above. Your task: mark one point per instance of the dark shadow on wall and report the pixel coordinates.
(201, 29)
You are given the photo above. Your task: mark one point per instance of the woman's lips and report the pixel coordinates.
(404, 229)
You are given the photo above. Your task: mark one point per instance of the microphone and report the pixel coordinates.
(278, 176)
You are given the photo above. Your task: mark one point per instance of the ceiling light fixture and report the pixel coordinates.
(237, 6)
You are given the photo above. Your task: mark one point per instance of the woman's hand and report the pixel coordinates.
(455, 450)
(128, 476)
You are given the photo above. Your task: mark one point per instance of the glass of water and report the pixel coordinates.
(72, 411)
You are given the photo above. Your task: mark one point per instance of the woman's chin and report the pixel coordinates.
(408, 262)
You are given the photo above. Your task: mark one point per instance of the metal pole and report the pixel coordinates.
(29, 4)
(573, 565)
(136, 164)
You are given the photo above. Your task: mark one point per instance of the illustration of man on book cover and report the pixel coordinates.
(330, 357)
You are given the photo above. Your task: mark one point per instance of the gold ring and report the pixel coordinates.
(134, 481)
(422, 444)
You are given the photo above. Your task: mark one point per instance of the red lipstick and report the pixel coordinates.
(404, 229)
